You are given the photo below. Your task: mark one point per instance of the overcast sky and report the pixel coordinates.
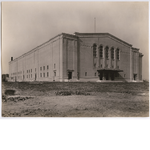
(26, 25)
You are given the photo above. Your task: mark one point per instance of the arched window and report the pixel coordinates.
(118, 54)
(94, 50)
(101, 51)
(106, 52)
(112, 53)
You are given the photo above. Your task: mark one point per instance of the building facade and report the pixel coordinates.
(79, 57)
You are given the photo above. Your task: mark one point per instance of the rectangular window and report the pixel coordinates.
(47, 67)
(112, 53)
(85, 73)
(43, 74)
(106, 51)
(43, 67)
(40, 74)
(47, 74)
(27, 71)
(118, 54)
(31, 70)
(31, 75)
(101, 51)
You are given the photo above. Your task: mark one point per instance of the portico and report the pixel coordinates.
(108, 74)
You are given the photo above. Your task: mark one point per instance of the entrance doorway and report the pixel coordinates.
(135, 76)
(54, 76)
(100, 74)
(69, 75)
(107, 76)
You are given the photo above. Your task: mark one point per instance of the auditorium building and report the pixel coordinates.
(97, 57)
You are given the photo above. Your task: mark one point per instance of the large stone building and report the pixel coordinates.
(79, 57)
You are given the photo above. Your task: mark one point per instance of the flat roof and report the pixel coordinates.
(75, 35)
(71, 35)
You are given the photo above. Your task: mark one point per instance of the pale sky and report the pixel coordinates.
(26, 25)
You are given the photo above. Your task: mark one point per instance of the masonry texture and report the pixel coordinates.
(94, 57)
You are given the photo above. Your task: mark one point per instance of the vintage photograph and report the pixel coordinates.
(75, 59)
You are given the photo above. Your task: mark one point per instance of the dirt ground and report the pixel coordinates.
(88, 99)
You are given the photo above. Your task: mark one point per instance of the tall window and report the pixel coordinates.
(94, 50)
(118, 53)
(43, 67)
(40, 74)
(106, 52)
(47, 67)
(43, 74)
(47, 74)
(112, 53)
(101, 51)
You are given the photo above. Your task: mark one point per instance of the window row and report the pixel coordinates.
(28, 71)
(44, 68)
(44, 75)
(112, 50)
(41, 75)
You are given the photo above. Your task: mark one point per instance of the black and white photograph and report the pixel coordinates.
(75, 59)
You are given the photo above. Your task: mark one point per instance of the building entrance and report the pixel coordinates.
(135, 76)
(54, 76)
(69, 75)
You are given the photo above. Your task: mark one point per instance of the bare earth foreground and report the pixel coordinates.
(75, 99)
